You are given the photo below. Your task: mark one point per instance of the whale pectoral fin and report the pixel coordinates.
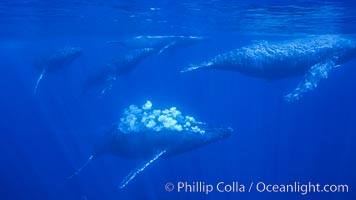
(138, 170)
(190, 68)
(311, 79)
(108, 85)
(166, 47)
(105, 89)
(38, 81)
(81, 168)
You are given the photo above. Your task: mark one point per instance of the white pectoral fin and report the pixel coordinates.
(166, 47)
(106, 89)
(138, 170)
(81, 168)
(108, 85)
(311, 79)
(205, 65)
(38, 81)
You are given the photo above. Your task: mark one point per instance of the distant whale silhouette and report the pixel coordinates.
(151, 134)
(58, 60)
(112, 71)
(312, 57)
(159, 43)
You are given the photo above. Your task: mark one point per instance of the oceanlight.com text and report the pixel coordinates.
(260, 187)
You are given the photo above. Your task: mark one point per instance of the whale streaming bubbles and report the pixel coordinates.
(136, 119)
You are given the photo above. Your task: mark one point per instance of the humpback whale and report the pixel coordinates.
(112, 71)
(143, 46)
(158, 42)
(58, 60)
(151, 134)
(312, 57)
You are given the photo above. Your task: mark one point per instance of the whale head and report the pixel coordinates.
(144, 144)
(143, 131)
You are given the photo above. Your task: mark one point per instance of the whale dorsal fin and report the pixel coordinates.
(138, 170)
(311, 79)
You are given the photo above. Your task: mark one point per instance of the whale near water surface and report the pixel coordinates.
(312, 57)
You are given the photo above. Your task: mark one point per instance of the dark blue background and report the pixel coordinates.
(44, 138)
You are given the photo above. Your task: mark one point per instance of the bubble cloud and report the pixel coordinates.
(136, 119)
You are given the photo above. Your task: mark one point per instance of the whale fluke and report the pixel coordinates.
(38, 81)
(81, 168)
(135, 172)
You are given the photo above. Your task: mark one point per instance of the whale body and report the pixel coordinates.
(148, 133)
(312, 57)
(158, 42)
(149, 143)
(58, 60)
(121, 66)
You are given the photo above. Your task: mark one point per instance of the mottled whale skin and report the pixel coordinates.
(60, 59)
(112, 71)
(152, 145)
(312, 56)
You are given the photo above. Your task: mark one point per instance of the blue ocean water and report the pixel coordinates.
(47, 136)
